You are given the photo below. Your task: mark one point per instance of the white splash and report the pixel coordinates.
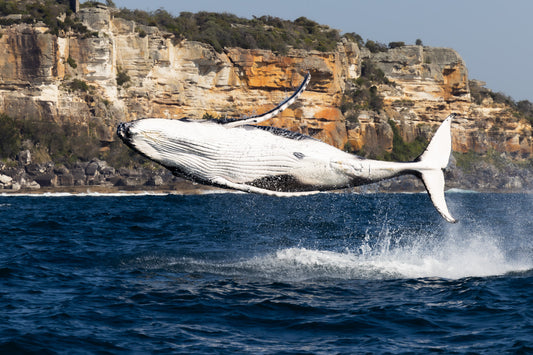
(478, 257)
(385, 256)
(451, 258)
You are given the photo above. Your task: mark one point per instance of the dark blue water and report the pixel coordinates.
(225, 273)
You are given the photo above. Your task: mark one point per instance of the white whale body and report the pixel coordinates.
(238, 155)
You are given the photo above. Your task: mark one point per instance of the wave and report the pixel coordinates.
(206, 192)
(119, 193)
(92, 194)
(461, 191)
(475, 258)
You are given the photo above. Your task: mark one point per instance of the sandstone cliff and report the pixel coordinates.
(164, 77)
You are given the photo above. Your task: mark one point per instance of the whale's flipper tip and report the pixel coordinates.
(276, 110)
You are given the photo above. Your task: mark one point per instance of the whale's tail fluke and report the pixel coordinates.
(431, 164)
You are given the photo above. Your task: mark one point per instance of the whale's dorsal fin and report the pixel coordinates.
(265, 116)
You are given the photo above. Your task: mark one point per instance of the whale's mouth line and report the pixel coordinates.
(124, 133)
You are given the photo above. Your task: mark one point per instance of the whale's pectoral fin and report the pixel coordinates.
(253, 189)
(267, 115)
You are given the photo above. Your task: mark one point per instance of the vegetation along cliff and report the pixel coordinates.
(68, 77)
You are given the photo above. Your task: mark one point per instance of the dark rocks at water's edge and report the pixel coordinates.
(504, 176)
(27, 176)
(36, 177)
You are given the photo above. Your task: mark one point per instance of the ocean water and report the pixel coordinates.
(241, 273)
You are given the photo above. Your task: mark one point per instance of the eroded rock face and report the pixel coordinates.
(425, 73)
(163, 77)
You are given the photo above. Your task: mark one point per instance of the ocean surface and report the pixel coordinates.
(241, 273)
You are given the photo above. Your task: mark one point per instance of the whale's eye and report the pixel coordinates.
(299, 155)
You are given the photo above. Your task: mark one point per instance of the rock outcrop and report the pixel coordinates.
(132, 71)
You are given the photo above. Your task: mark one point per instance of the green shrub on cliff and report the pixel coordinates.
(363, 93)
(72, 62)
(227, 30)
(61, 142)
(470, 161)
(354, 37)
(47, 11)
(393, 45)
(402, 150)
(523, 108)
(122, 77)
(217, 29)
(78, 85)
(9, 7)
(9, 137)
(375, 47)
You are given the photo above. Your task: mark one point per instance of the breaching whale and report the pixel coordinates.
(235, 154)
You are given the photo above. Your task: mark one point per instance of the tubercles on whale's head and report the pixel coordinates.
(123, 131)
(130, 132)
(143, 136)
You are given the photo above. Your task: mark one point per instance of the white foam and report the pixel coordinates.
(453, 257)
(475, 258)
(119, 193)
(450, 259)
(461, 191)
(88, 193)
